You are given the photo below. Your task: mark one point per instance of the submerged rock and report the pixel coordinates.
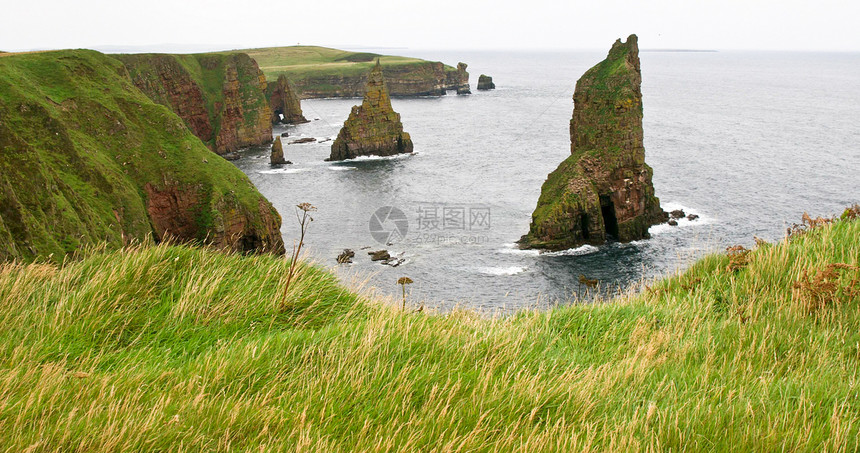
(373, 128)
(303, 140)
(692, 217)
(379, 255)
(677, 214)
(603, 190)
(346, 256)
(485, 82)
(284, 101)
(277, 156)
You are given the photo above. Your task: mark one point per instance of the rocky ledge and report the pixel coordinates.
(373, 128)
(603, 191)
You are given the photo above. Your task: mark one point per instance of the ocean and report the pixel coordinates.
(748, 141)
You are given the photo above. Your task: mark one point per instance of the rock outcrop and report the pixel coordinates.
(277, 157)
(603, 190)
(485, 82)
(373, 128)
(460, 79)
(87, 158)
(221, 97)
(283, 102)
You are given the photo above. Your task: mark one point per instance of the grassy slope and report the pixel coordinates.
(79, 142)
(149, 349)
(301, 61)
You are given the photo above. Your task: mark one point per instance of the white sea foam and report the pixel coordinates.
(512, 249)
(373, 158)
(280, 171)
(682, 222)
(578, 251)
(340, 168)
(510, 270)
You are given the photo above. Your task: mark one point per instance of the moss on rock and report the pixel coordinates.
(373, 128)
(87, 158)
(603, 190)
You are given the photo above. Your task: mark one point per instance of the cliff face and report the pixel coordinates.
(283, 101)
(415, 79)
(221, 97)
(485, 82)
(373, 128)
(86, 158)
(603, 190)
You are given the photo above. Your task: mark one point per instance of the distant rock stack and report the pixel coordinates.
(603, 191)
(284, 101)
(463, 79)
(485, 82)
(373, 128)
(277, 156)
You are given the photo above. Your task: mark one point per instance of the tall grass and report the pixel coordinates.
(180, 349)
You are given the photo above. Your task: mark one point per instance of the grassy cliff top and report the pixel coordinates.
(153, 348)
(301, 60)
(78, 145)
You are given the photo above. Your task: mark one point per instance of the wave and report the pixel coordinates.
(578, 251)
(498, 271)
(278, 171)
(512, 249)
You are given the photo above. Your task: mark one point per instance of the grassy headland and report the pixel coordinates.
(324, 72)
(85, 156)
(168, 347)
(298, 61)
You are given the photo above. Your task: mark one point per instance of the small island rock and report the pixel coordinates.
(373, 128)
(485, 82)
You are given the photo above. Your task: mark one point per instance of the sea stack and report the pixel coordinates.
(277, 156)
(603, 191)
(373, 128)
(485, 82)
(463, 78)
(284, 101)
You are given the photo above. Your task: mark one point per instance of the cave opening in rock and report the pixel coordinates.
(583, 224)
(610, 222)
(279, 116)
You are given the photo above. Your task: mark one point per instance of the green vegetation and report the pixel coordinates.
(197, 87)
(324, 72)
(165, 348)
(82, 150)
(299, 61)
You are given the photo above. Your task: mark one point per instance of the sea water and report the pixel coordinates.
(747, 141)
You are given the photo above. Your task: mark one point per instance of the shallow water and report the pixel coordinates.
(748, 141)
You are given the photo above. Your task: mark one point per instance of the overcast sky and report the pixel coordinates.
(439, 24)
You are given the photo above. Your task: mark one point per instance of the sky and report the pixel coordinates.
(442, 24)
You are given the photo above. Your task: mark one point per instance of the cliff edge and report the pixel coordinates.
(603, 191)
(221, 97)
(87, 158)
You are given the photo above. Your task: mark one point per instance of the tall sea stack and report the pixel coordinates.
(284, 101)
(603, 191)
(373, 128)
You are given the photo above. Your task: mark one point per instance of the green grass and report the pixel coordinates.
(174, 348)
(78, 145)
(301, 61)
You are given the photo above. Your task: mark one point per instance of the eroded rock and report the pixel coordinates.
(373, 128)
(485, 82)
(603, 190)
